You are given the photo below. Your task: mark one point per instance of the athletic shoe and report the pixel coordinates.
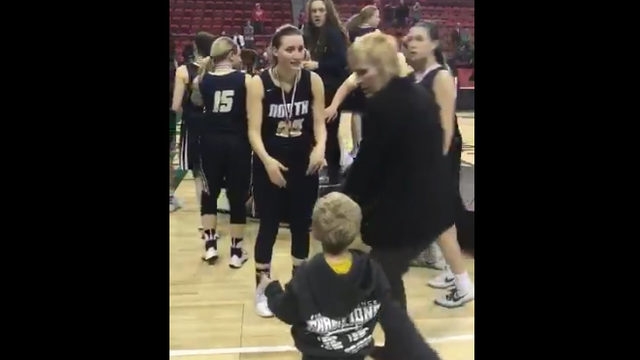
(444, 280)
(453, 299)
(174, 203)
(211, 250)
(431, 258)
(262, 308)
(239, 256)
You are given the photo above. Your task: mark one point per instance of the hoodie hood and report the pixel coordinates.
(337, 295)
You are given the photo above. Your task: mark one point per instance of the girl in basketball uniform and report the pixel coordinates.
(287, 133)
(225, 153)
(182, 102)
(173, 65)
(327, 42)
(425, 55)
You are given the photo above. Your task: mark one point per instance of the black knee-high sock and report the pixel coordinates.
(259, 273)
(208, 235)
(236, 242)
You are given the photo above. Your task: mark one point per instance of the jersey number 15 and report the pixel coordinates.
(223, 101)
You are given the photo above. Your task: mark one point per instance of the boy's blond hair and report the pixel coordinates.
(335, 222)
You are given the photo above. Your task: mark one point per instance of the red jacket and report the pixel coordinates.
(258, 15)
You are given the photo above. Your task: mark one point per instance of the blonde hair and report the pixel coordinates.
(360, 18)
(379, 50)
(220, 49)
(335, 222)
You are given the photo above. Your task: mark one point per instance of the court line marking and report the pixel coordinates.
(286, 348)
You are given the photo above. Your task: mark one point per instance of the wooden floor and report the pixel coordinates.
(212, 307)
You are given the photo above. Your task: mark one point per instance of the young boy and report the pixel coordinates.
(336, 298)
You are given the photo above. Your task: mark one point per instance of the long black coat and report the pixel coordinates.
(400, 176)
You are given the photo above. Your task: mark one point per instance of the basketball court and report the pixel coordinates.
(212, 314)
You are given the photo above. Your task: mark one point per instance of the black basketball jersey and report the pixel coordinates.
(427, 83)
(187, 105)
(225, 99)
(277, 131)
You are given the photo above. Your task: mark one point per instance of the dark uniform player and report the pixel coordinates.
(225, 154)
(185, 75)
(288, 135)
(424, 54)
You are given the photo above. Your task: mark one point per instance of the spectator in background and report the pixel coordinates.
(301, 18)
(238, 40)
(402, 13)
(388, 13)
(416, 13)
(258, 19)
(248, 35)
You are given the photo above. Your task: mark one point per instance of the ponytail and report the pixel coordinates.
(205, 67)
(440, 58)
(354, 22)
(357, 20)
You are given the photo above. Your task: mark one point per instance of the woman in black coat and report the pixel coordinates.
(398, 176)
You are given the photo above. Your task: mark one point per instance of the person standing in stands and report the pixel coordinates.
(327, 42)
(388, 14)
(402, 13)
(301, 18)
(248, 35)
(416, 13)
(258, 19)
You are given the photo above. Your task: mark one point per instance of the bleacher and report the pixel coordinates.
(190, 16)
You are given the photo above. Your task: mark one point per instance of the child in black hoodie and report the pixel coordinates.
(336, 298)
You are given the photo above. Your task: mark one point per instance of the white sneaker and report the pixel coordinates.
(238, 258)
(453, 299)
(444, 280)
(431, 258)
(211, 254)
(434, 258)
(262, 307)
(174, 203)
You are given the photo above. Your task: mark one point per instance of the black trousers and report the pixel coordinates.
(226, 162)
(395, 263)
(273, 204)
